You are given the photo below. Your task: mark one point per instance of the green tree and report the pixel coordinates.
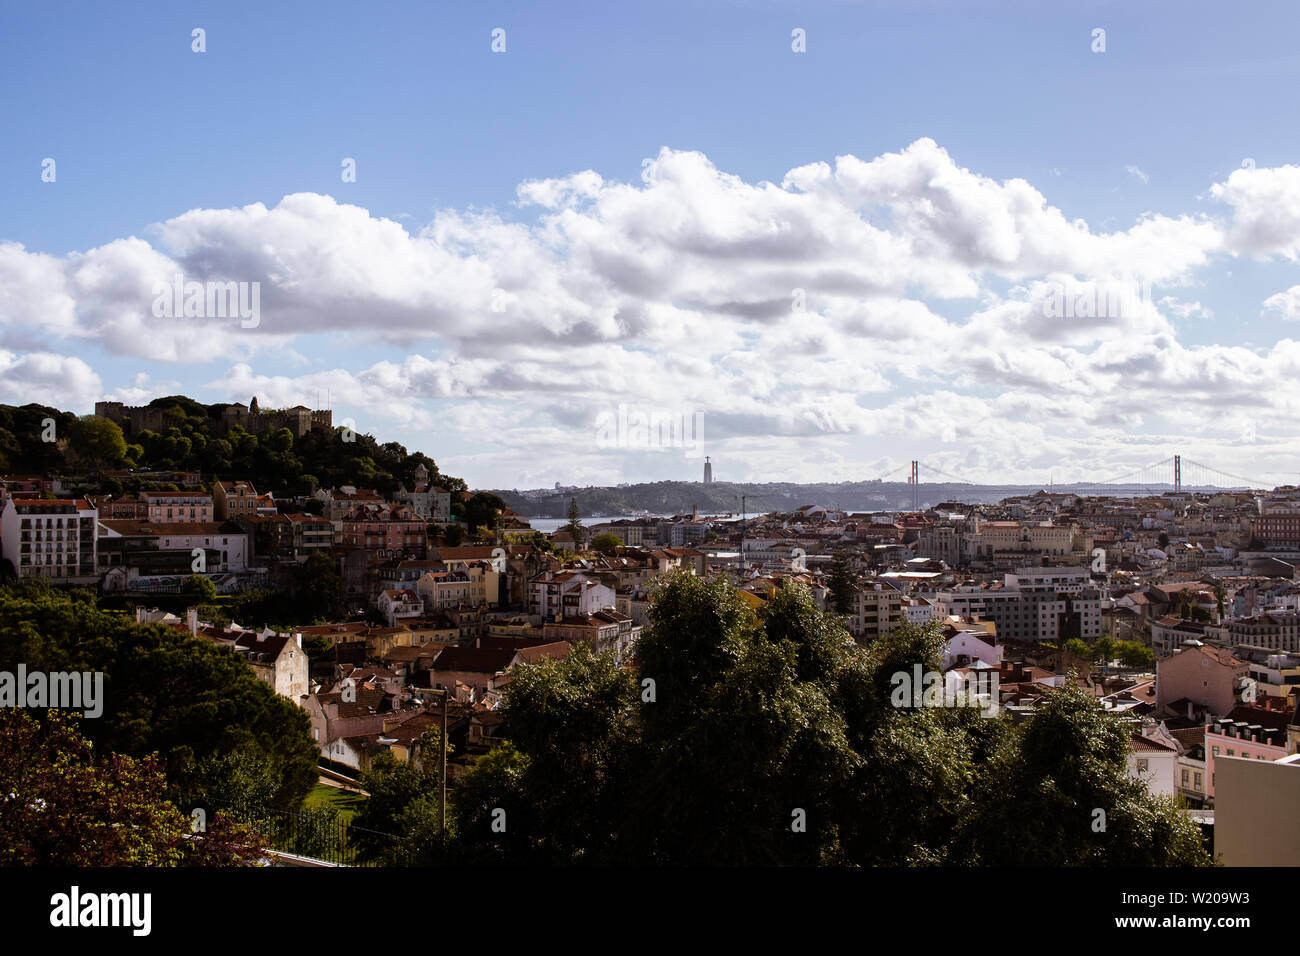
(1135, 655)
(401, 798)
(770, 737)
(165, 692)
(1062, 787)
(319, 588)
(1078, 648)
(242, 782)
(217, 455)
(839, 584)
(318, 649)
(63, 807)
(574, 525)
(198, 589)
(281, 440)
(483, 508)
(1104, 649)
(606, 541)
(453, 535)
(495, 791)
(96, 442)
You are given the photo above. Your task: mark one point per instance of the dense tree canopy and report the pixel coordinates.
(61, 805)
(191, 440)
(769, 737)
(165, 692)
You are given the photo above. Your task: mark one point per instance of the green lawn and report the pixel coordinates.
(348, 804)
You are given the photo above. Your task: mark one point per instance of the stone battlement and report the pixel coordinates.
(299, 420)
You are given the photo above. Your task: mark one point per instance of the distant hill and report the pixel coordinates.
(678, 497)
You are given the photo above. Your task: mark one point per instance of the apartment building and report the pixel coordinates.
(233, 499)
(1033, 604)
(877, 609)
(348, 499)
(171, 548)
(1273, 630)
(389, 534)
(56, 539)
(397, 603)
(1277, 525)
(1001, 542)
(1229, 737)
(1277, 675)
(604, 630)
(452, 588)
(553, 594)
(1171, 632)
(177, 507)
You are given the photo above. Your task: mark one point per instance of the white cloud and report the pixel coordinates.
(899, 299)
(1266, 210)
(60, 381)
(1286, 304)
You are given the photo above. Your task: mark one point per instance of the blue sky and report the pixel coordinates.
(442, 129)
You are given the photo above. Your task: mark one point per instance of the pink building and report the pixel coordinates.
(129, 509)
(177, 507)
(1255, 733)
(391, 534)
(1200, 679)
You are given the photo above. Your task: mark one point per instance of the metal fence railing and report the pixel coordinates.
(330, 839)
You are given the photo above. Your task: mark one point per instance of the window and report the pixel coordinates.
(1142, 766)
(1197, 781)
(1186, 775)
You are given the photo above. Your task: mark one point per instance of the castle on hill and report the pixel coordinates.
(300, 419)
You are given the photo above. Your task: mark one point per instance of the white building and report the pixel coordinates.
(555, 594)
(398, 603)
(966, 647)
(919, 610)
(1153, 759)
(56, 539)
(427, 501)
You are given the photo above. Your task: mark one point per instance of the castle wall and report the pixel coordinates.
(136, 419)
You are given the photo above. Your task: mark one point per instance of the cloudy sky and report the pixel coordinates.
(957, 232)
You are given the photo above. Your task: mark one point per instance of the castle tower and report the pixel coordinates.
(708, 471)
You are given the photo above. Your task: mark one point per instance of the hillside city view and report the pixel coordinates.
(790, 449)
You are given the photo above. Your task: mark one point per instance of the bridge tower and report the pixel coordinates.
(1178, 472)
(915, 481)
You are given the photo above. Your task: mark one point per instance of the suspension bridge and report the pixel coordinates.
(1170, 475)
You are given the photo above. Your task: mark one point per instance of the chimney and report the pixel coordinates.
(192, 620)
